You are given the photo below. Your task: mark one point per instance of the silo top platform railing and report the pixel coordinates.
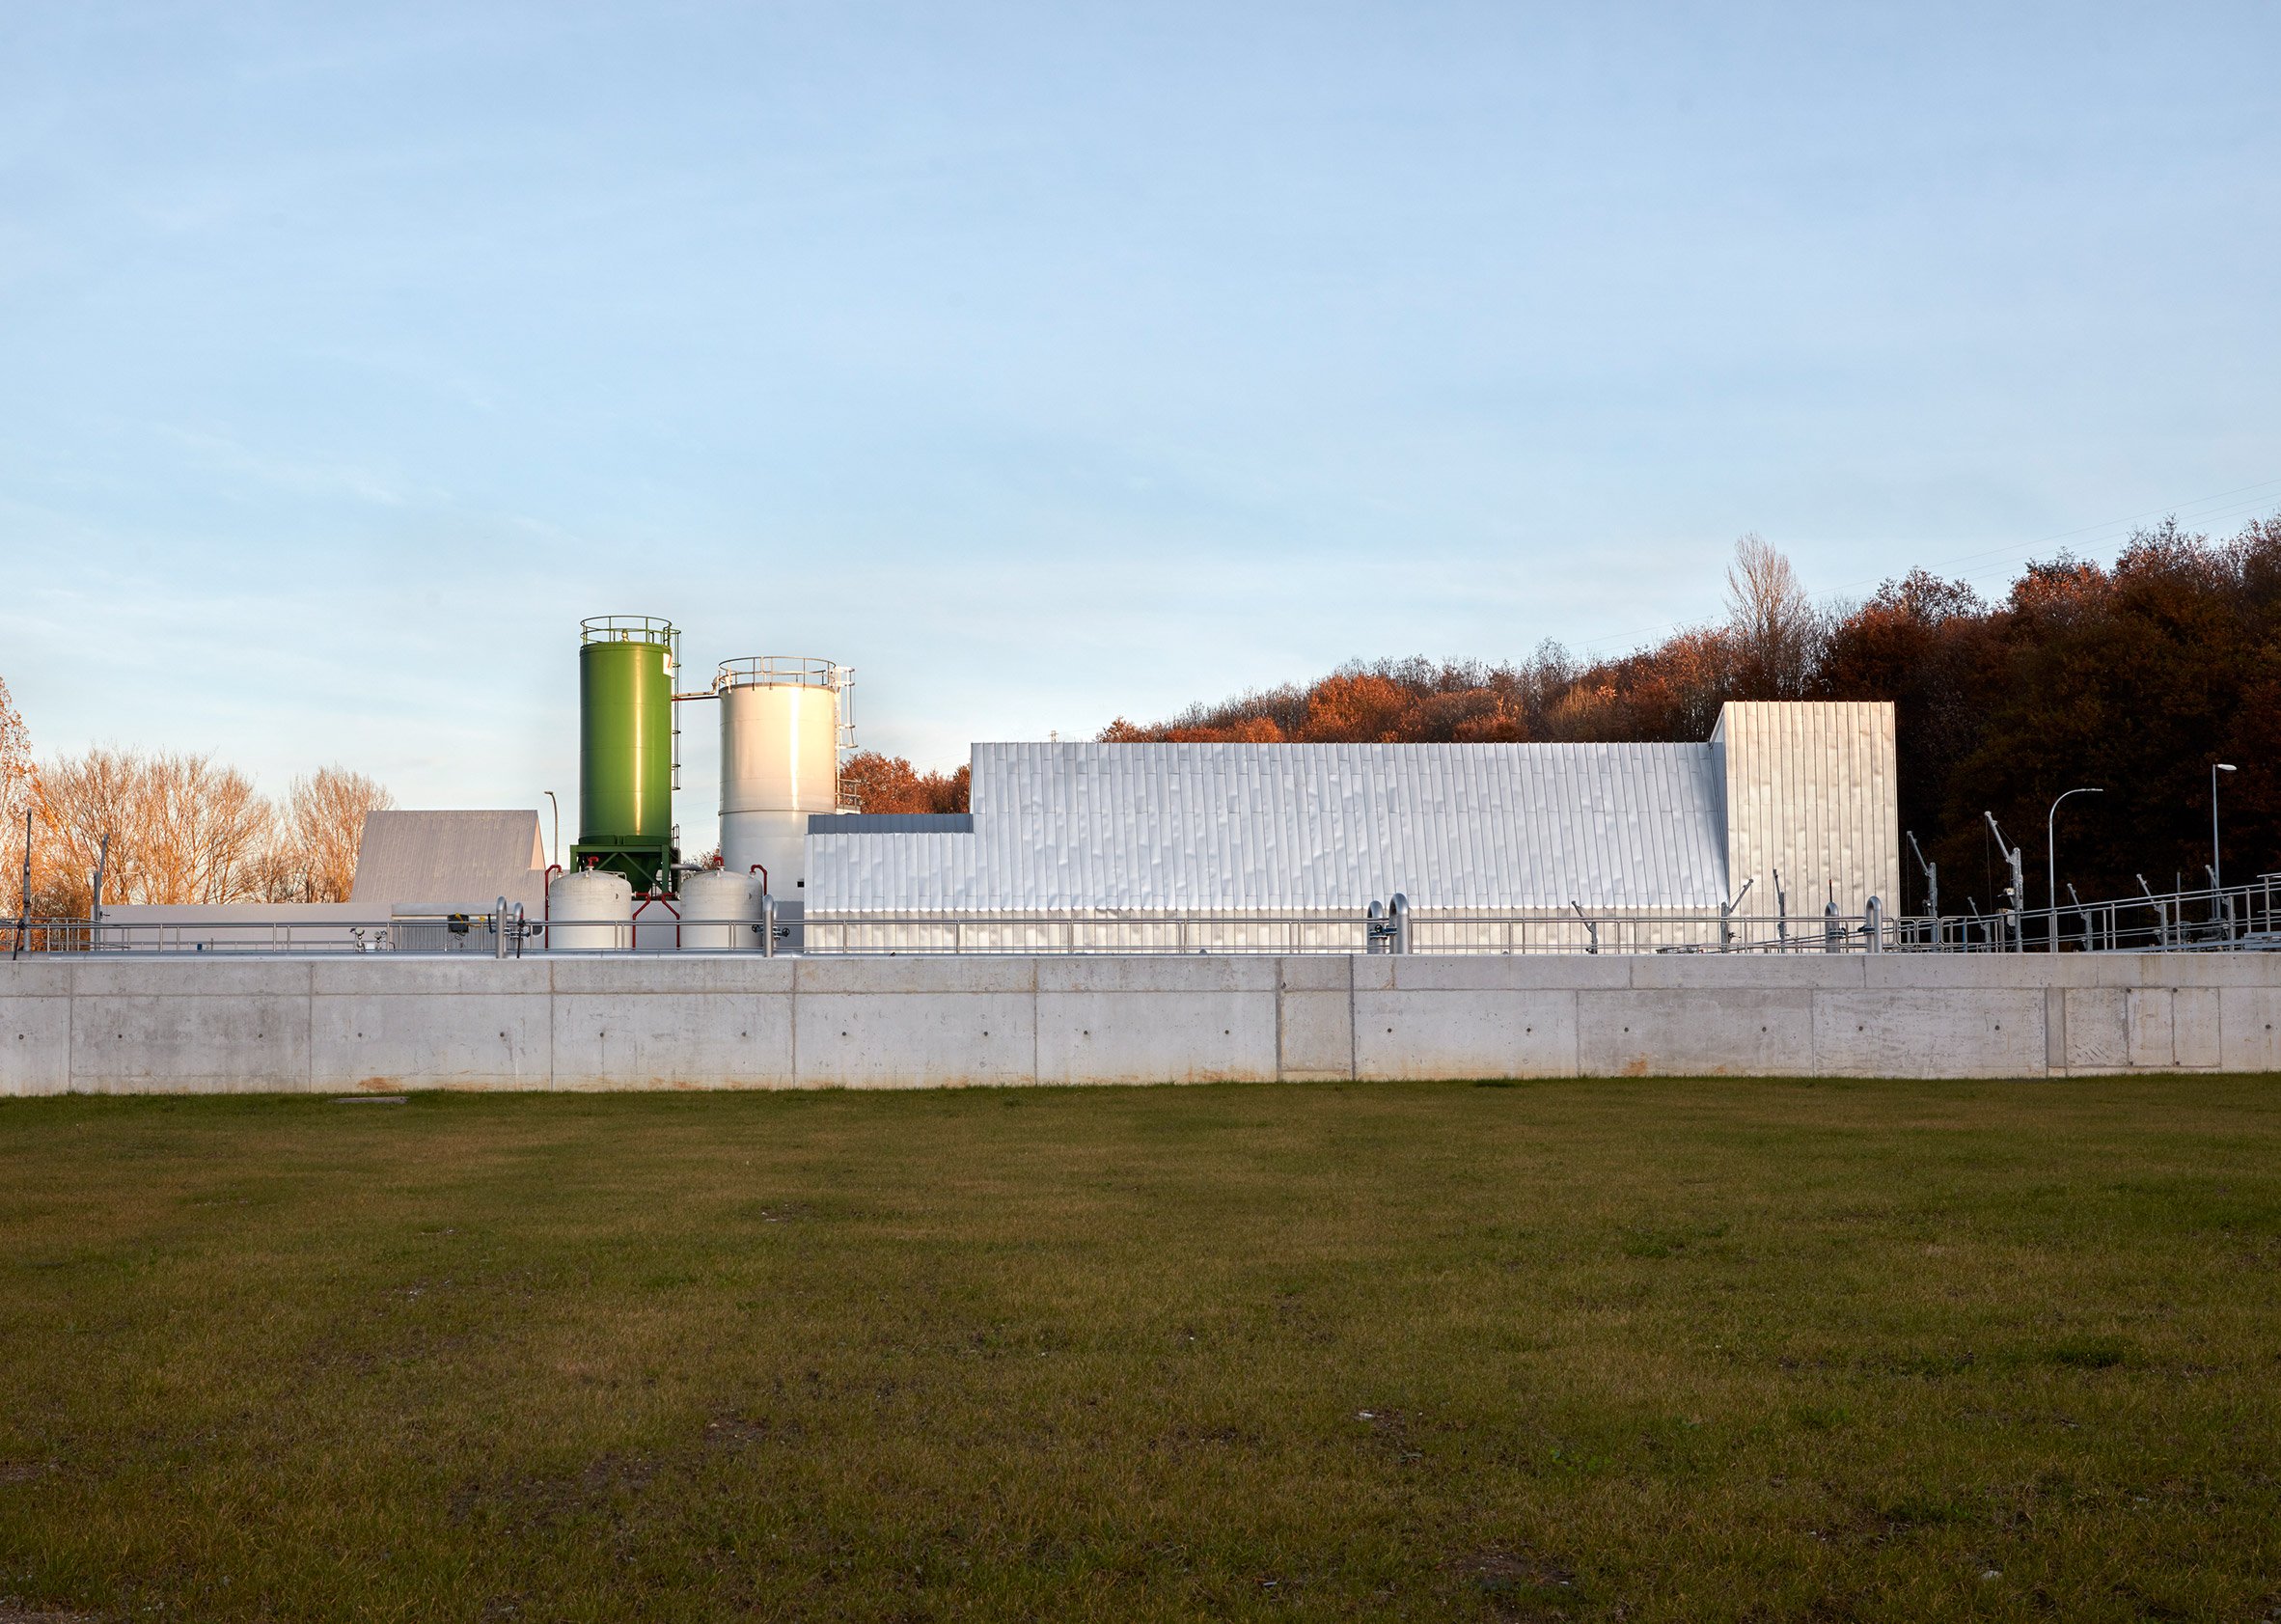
(627, 628)
(780, 670)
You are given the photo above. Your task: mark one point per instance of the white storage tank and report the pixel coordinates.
(590, 910)
(783, 719)
(719, 909)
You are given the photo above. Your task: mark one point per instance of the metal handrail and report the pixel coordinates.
(627, 628)
(2239, 918)
(780, 670)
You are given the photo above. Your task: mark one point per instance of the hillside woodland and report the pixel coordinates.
(2133, 678)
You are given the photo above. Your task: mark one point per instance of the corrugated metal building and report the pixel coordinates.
(450, 859)
(1285, 846)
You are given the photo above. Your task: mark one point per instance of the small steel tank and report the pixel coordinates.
(591, 911)
(719, 909)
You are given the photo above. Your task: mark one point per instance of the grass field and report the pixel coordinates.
(1670, 1350)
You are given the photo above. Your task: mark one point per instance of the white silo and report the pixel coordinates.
(784, 720)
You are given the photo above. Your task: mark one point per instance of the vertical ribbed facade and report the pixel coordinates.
(1811, 789)
(1111, 846)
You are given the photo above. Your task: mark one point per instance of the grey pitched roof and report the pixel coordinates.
(1302, 826)
(450, 857)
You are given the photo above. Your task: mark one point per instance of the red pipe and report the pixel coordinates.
(658, 896)
(546, 904)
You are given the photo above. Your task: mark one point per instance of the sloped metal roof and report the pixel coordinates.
(450, 857)
(1289, 827)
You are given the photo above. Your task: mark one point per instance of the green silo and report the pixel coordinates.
(625, 749)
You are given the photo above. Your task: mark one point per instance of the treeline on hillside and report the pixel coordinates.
(182, 828)
(2133, 678)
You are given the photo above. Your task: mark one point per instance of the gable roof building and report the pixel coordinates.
(456, 858)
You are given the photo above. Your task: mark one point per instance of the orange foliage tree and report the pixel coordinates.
(890, 783)
(2133, 678)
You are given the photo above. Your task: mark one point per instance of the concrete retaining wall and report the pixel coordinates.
(386, 1022)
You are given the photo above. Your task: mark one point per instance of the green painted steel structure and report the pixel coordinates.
(625, 749)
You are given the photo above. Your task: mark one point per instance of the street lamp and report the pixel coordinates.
(2051, 864)
(2215, 869)
(557, 806)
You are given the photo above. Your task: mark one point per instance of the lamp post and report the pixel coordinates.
(2051, 864)
(557, 855)
(2217, 868)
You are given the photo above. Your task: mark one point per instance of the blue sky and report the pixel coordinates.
(1052, 361)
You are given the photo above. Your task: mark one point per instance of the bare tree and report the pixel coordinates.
(1775, 626)
(82, 800)
(213, 826)
(182, 828)
(19, 788)
(322, 826)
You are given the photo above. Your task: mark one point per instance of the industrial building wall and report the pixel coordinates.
(1811, 789)
(243, 926)
(1124, 931)
(1288, 828)
(210, 1024)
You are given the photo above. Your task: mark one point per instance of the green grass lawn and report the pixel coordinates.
(1652, 1350)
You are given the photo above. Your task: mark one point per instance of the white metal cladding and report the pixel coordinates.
(1812, 789)
(1201, 827)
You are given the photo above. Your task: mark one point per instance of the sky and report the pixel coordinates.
(1050, 362)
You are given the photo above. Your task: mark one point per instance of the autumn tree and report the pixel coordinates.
(2133, 678)
(321, 827)
(890, 783)
(19, 787)
(183, 827)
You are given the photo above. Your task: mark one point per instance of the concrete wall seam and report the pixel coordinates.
(150, 1026)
